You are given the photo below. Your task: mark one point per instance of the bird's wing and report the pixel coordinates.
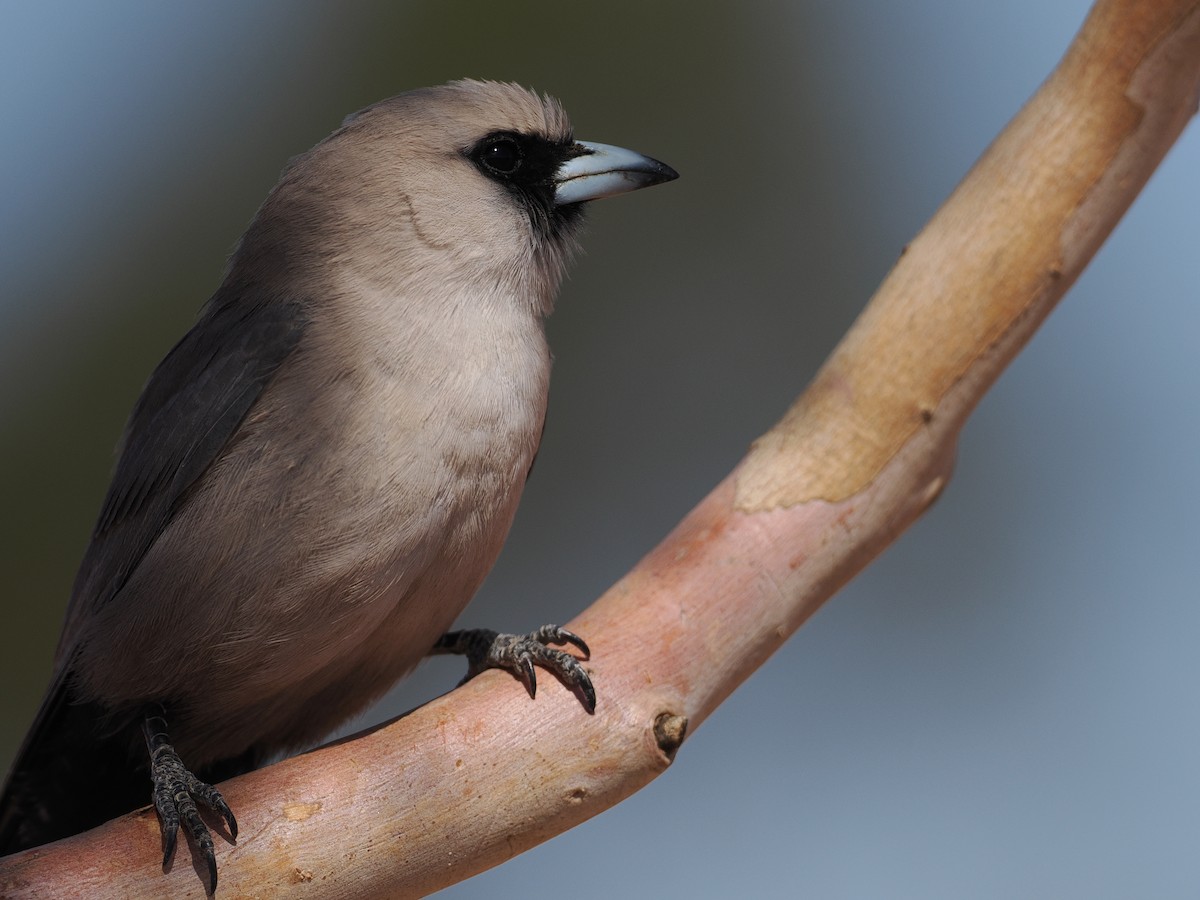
(188, 411)
(190, 408)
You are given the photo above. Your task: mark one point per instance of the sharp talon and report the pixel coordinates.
(230, 821)
(169, 845)
(212, 871)
(567, 637)
(211, 797)
(529, 676)
(587, 695)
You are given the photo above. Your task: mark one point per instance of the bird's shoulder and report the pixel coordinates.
(190, 408)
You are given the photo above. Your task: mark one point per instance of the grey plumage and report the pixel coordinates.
(319, 475)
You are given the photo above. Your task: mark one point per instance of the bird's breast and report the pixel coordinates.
(438, 416)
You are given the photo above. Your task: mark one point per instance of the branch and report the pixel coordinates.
(477, 776)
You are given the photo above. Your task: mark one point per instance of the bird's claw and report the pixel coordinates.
(521, 654)
(176, 792)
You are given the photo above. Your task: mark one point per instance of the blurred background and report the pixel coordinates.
(1003, 705)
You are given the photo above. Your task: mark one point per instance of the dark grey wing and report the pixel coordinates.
(188, 411)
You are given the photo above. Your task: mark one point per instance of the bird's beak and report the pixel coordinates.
(601, 170)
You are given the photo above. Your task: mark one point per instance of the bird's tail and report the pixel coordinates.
(69, 775)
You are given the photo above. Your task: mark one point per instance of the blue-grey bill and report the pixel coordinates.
(602, 170)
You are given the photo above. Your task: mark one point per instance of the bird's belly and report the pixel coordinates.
(397, 542)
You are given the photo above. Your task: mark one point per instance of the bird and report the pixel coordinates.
(318, 476)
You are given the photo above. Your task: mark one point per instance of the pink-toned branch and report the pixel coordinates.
(482, 774)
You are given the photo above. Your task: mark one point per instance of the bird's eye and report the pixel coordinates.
(502, 156)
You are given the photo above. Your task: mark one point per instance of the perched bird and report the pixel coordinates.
(318, 476)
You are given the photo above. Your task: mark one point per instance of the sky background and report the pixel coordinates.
(1003, 705)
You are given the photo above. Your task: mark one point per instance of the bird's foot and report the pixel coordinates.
(520, 653)
(176, 791)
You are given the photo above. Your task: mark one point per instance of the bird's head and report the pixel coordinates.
(477, 176)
